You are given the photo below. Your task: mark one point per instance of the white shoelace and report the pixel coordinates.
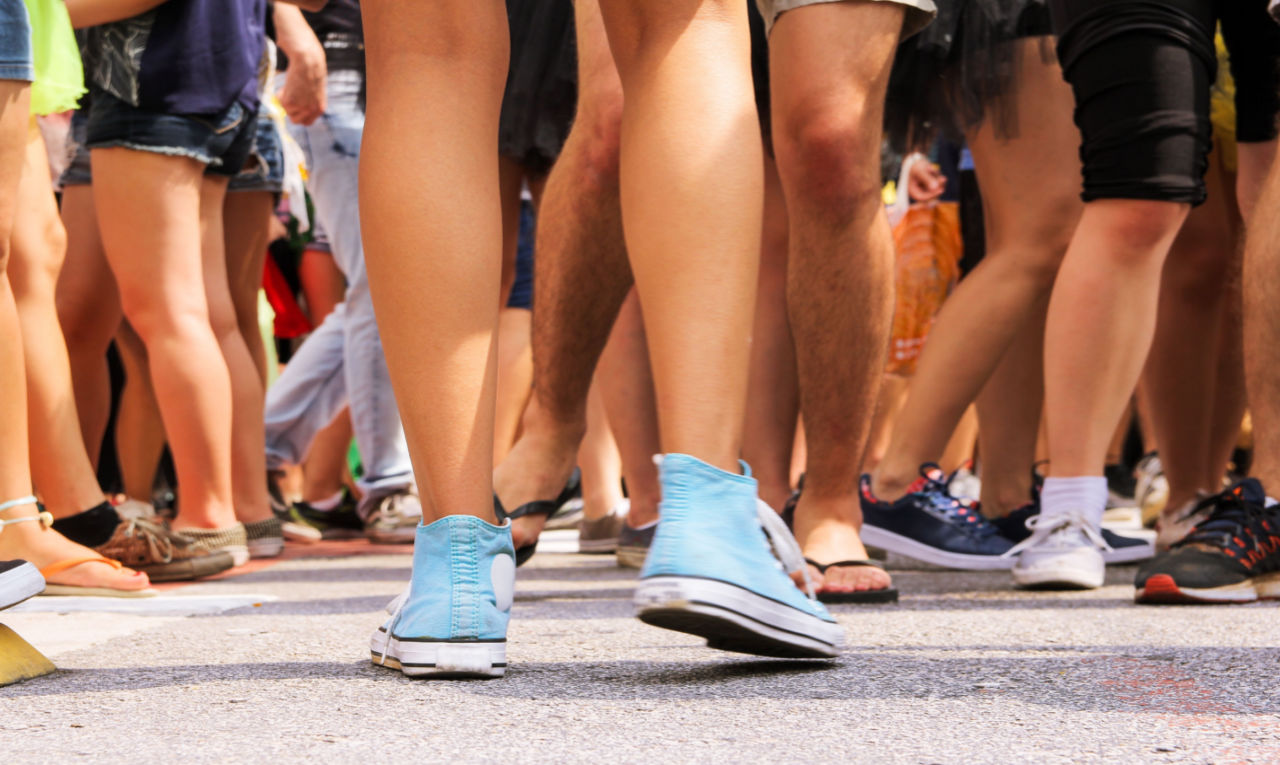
(784, 545)
(394, 608)
(1044, 527)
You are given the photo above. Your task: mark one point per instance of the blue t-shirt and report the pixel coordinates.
(182, 57)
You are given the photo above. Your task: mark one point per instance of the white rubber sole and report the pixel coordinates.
(239, 554)
(266, 548)
(731, 618)
(597, 546)
(1268, 586)
(632, 557)
(423, 659)
(874, 536)
(1066, 572)
(18, 584)
(1162, 589)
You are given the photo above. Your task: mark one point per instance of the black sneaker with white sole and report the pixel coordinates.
(19, 580)
(930, 525)
(1232, 556)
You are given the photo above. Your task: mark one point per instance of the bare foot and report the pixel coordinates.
(537, 468)
(45, 547)
(827, 533)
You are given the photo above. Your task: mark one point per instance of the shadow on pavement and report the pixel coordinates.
(1196, 680)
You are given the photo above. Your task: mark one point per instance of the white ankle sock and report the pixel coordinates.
(329, 503)
(1085, 494)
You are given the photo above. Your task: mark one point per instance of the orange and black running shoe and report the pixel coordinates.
(1232, 556)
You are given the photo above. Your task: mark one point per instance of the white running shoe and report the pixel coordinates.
(1064, 552)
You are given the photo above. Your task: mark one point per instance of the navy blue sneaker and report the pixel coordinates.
(930, 525)
(1122, 549)
(712, 569)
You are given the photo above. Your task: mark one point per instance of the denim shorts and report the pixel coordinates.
(918, 12)
(265, 168)
(222, 142)
(16, 62)
(78, 172)
(522, 289)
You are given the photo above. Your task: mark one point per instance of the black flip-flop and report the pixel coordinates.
(886, 595)
(544, 507)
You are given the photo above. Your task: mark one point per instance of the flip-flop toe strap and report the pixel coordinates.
(62, 565)
(822, 567)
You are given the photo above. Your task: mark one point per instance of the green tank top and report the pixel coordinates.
(59, 79)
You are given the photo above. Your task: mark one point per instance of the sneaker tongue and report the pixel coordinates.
(1251, 491)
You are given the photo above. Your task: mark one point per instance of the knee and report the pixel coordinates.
(224, 320)
(1138, 231)
(154, 317)
(599, 128)
(829, 161)
(53, 240)
(1038, 240)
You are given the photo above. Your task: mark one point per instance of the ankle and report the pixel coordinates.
(1000, 501)
(598, 504)
(887, 486)
(564, 431)
(813, 510)
(644, 510)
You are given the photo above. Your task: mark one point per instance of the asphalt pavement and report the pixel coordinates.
(272, 665)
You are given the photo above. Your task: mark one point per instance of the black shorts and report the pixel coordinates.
(1142, 71)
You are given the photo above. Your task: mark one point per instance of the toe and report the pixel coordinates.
(855, 579)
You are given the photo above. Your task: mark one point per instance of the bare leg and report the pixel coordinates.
(515, 356)
(1009, 410)
(581, 279)
(693, 233)
(326, 463)
(773, 397)
(60, 464)
(1179, 381)
(1262, 332)
(140, 437)
(960, 449)
(1101, 321)
(149, 215)
(439, 78)
(600, 462)
(30, 541)
(510, 183)
(893, 395)
(246, 233)
(828, 96)
(626, 385)
(248, 436)
(89, 311)
(515, 378)
(1029, 220)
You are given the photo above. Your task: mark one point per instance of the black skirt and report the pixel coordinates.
(541, 95)
(962, 69)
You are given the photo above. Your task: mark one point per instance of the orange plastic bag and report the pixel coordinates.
(927, 242)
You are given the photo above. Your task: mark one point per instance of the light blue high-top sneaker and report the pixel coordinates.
(711, 571)
(452, 622)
